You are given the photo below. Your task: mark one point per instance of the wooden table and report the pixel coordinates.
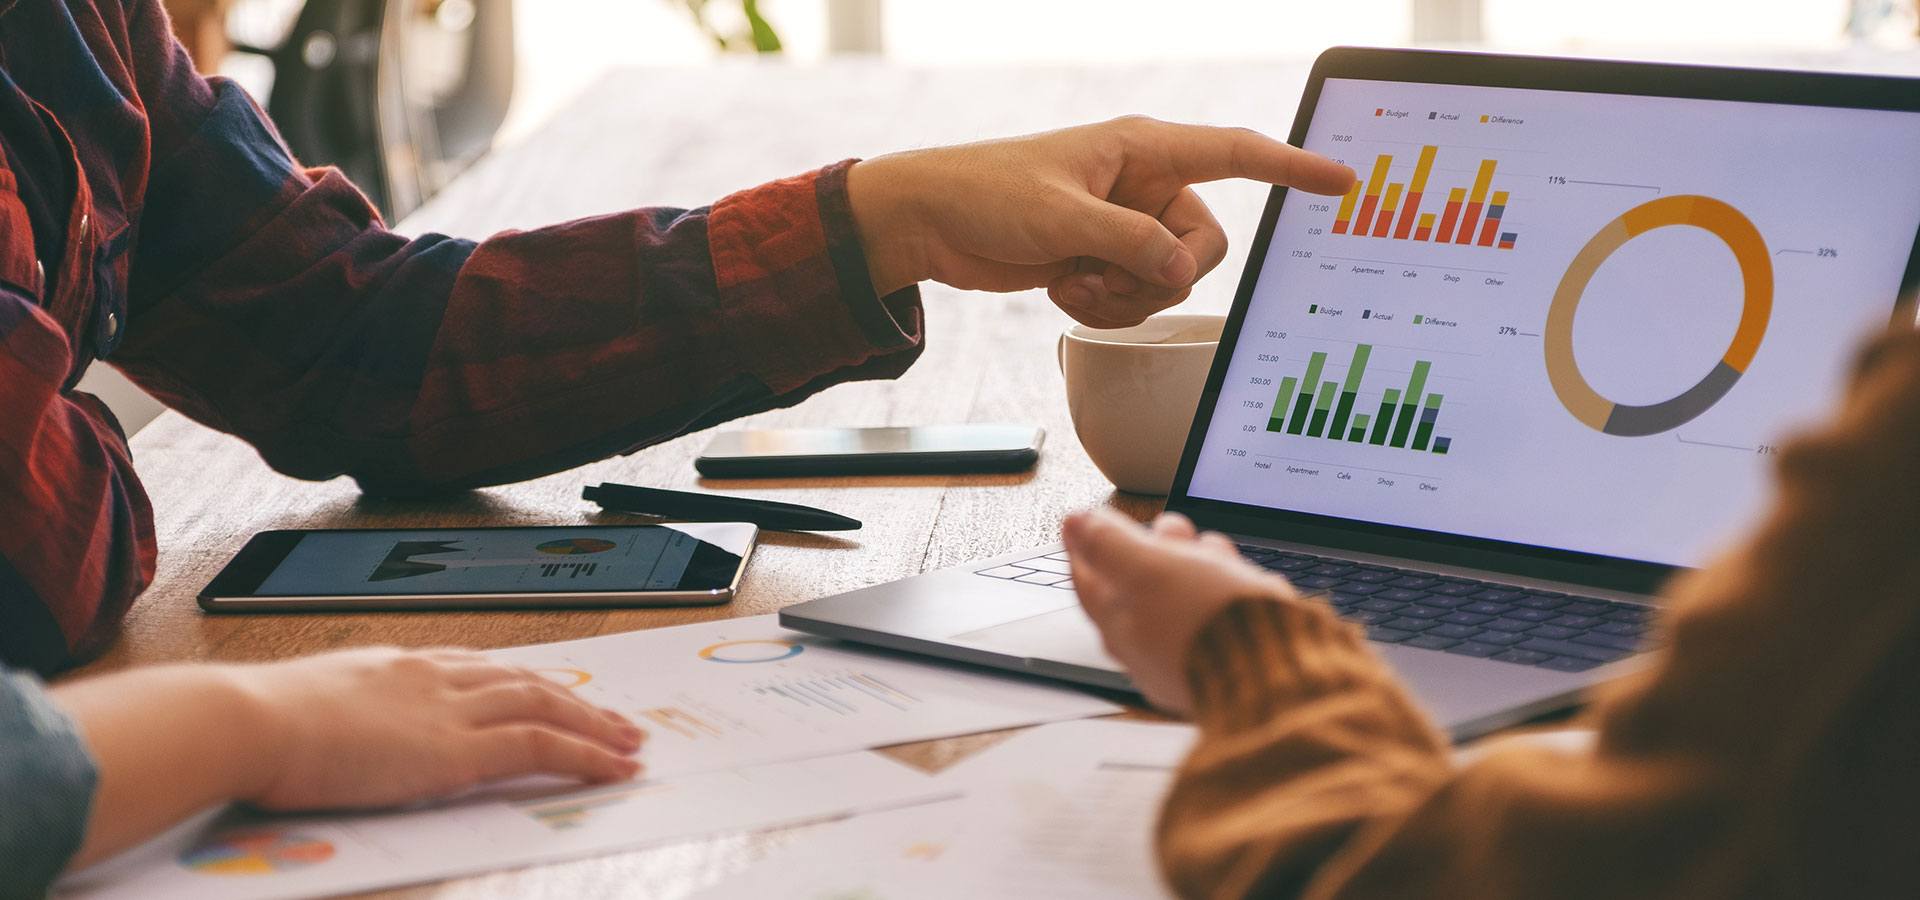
(684, 138)
(650, 137)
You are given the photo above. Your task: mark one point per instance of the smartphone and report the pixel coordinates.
(345, 570)
(917, 450)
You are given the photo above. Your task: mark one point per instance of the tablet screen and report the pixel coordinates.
(498, 561)
(1568, 320)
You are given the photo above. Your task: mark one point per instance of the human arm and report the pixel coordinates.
(1104, 216)
(437, 363)
(270, 301)
(76, 532)
(1766, 751)
(46, 784)
(357, 729)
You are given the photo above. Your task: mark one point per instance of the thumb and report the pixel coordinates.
(1130, 239)
(1105, 543)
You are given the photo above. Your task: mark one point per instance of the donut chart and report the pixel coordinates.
(751, 651)
(1756, 273)
(566, 678)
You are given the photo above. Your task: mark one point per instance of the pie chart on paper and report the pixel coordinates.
(256, 853)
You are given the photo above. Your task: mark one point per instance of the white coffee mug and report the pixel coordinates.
(1133, 392)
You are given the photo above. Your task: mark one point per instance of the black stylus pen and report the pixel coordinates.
(691, 507)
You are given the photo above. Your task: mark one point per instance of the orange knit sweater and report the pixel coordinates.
(1771, 750)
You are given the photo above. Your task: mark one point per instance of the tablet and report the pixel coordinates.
(464, 568)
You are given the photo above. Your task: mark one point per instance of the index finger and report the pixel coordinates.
(1207, 153)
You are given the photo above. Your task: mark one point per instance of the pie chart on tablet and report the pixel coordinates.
(575, 546)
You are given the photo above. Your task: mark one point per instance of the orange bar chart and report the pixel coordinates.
(1426, 227)
(1414, 191)
(1475, 201)
(1344, 220)
(1381, 208)
(1455, 198)
(1387, 209)
(1372, 197)
(1492, 226)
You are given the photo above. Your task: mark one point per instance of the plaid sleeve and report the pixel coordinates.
(270, 301)
(76, 533)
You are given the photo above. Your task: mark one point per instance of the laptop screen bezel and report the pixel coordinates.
(1527, 72)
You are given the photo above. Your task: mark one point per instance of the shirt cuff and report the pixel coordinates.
(1262, 656)
(794, 289)
(47, 783)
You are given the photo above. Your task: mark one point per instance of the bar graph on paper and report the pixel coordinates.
(1379, 207)
(1315, 406)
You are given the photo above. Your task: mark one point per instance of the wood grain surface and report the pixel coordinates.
(683, 138)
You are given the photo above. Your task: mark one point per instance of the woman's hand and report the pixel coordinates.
(384, 727)
(1101, 215)
(356, 729)
(1151, 590)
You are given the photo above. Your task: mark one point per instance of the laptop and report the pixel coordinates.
(1534, 365)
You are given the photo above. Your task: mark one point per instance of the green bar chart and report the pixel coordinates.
(1313, 404)
(1302, 407)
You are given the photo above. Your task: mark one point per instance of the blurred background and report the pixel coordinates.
(404, 95)
(468, 73)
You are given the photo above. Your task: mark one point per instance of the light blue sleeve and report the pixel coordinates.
(47, 780)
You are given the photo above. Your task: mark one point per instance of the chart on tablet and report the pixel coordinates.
(1536, 309)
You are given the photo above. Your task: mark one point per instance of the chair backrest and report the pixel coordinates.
(400, 94)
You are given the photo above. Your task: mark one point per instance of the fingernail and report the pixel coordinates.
(1178, 269)
(1076, 295)
(1121, 281)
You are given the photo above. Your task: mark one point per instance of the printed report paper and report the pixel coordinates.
(252, 857)
(1060, 811)
(740, 692)
(749, 727)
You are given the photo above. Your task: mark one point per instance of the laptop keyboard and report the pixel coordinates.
(1048, 571)
(1463, 616)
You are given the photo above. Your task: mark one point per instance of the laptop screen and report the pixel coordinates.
(1568, 320)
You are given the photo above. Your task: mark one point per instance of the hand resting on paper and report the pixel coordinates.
(353, 729)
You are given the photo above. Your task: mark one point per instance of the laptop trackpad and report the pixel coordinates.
(1064, 635)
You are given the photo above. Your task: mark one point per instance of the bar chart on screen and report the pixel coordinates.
(1406, 417)
(1379, 207)
(1533, 310)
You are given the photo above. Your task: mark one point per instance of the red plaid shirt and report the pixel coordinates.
(268, 300)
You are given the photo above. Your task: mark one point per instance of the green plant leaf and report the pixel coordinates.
(765, 39)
